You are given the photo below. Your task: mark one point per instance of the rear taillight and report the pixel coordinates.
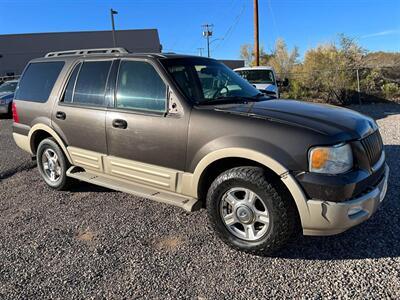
(15, 113)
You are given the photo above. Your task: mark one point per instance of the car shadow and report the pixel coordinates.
(86, 187)
(378, 237)
(5, 117)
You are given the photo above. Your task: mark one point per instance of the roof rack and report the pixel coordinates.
(86, 52)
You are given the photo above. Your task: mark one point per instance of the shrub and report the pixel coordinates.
(390, 90)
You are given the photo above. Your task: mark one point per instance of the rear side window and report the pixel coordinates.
(140, 87)
(91, 84)
(38, 80)
(71, 84)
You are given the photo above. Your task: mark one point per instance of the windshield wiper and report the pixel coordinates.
(233, 99)
(223, 100)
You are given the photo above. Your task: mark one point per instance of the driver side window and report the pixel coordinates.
(140, 87)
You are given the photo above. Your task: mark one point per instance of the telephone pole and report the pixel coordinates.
(207, 33)
(200, 51)
(113, 12)
(256, 35)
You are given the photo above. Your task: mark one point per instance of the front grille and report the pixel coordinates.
(373, 146)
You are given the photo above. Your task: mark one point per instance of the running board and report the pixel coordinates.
(185, 202)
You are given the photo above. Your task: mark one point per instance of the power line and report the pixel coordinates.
(231, 28)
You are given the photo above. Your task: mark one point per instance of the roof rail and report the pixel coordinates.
(86, 52)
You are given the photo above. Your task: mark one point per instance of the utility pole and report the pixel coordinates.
(113, 12)
(256, 35)
(200, 51)
(207, 33)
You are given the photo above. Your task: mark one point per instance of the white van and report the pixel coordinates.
(263, 78)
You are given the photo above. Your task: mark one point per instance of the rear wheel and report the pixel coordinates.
(248, 212)
(52, 164)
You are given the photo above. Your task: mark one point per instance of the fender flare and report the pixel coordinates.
(53, 134)
(288, 180)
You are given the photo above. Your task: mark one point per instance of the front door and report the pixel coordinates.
(145, 142)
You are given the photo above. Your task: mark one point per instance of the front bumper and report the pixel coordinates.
(328, 218)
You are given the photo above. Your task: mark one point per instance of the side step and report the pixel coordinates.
(185, 202)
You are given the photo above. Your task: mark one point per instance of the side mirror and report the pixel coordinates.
(283, 83)
(286, 82)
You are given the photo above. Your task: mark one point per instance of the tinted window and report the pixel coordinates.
(140, 87)
(71, 84)
(91, 84)
(257, 76)
(38, 81)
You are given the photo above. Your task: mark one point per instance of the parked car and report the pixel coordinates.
(7, 90)
(188, 131)
(263, 78)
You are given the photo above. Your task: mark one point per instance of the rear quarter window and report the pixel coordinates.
(38, 81)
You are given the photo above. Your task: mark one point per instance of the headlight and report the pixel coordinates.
(331, 160)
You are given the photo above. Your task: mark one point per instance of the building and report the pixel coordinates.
(17, 49)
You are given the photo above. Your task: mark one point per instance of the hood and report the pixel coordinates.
(342, 123)
(265, 86)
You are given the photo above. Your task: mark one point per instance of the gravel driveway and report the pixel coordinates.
(96, 243)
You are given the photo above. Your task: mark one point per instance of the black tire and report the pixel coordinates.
(282, 212)
(62, 182)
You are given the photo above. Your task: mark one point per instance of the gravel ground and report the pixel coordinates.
(96, 243)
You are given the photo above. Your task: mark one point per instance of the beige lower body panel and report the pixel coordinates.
(22, 142)
(154, 176)
(329, 218)
(154, 182)
(134, 188)
(89, 160)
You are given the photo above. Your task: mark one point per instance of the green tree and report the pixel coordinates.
(282, 60)
(329, 70)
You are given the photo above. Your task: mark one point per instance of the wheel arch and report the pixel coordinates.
(255, 158)
(40, 131)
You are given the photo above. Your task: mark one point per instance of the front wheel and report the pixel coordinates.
(248, 212)
(52, 164)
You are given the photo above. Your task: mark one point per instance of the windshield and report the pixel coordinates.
(8, 87)
(257, 76)
(204, 80)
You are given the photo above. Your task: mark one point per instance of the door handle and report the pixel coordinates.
(61, 115)
(118, 123)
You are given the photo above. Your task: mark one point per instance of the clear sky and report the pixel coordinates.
(304, 23)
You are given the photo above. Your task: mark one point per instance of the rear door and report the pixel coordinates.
(80, 115)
